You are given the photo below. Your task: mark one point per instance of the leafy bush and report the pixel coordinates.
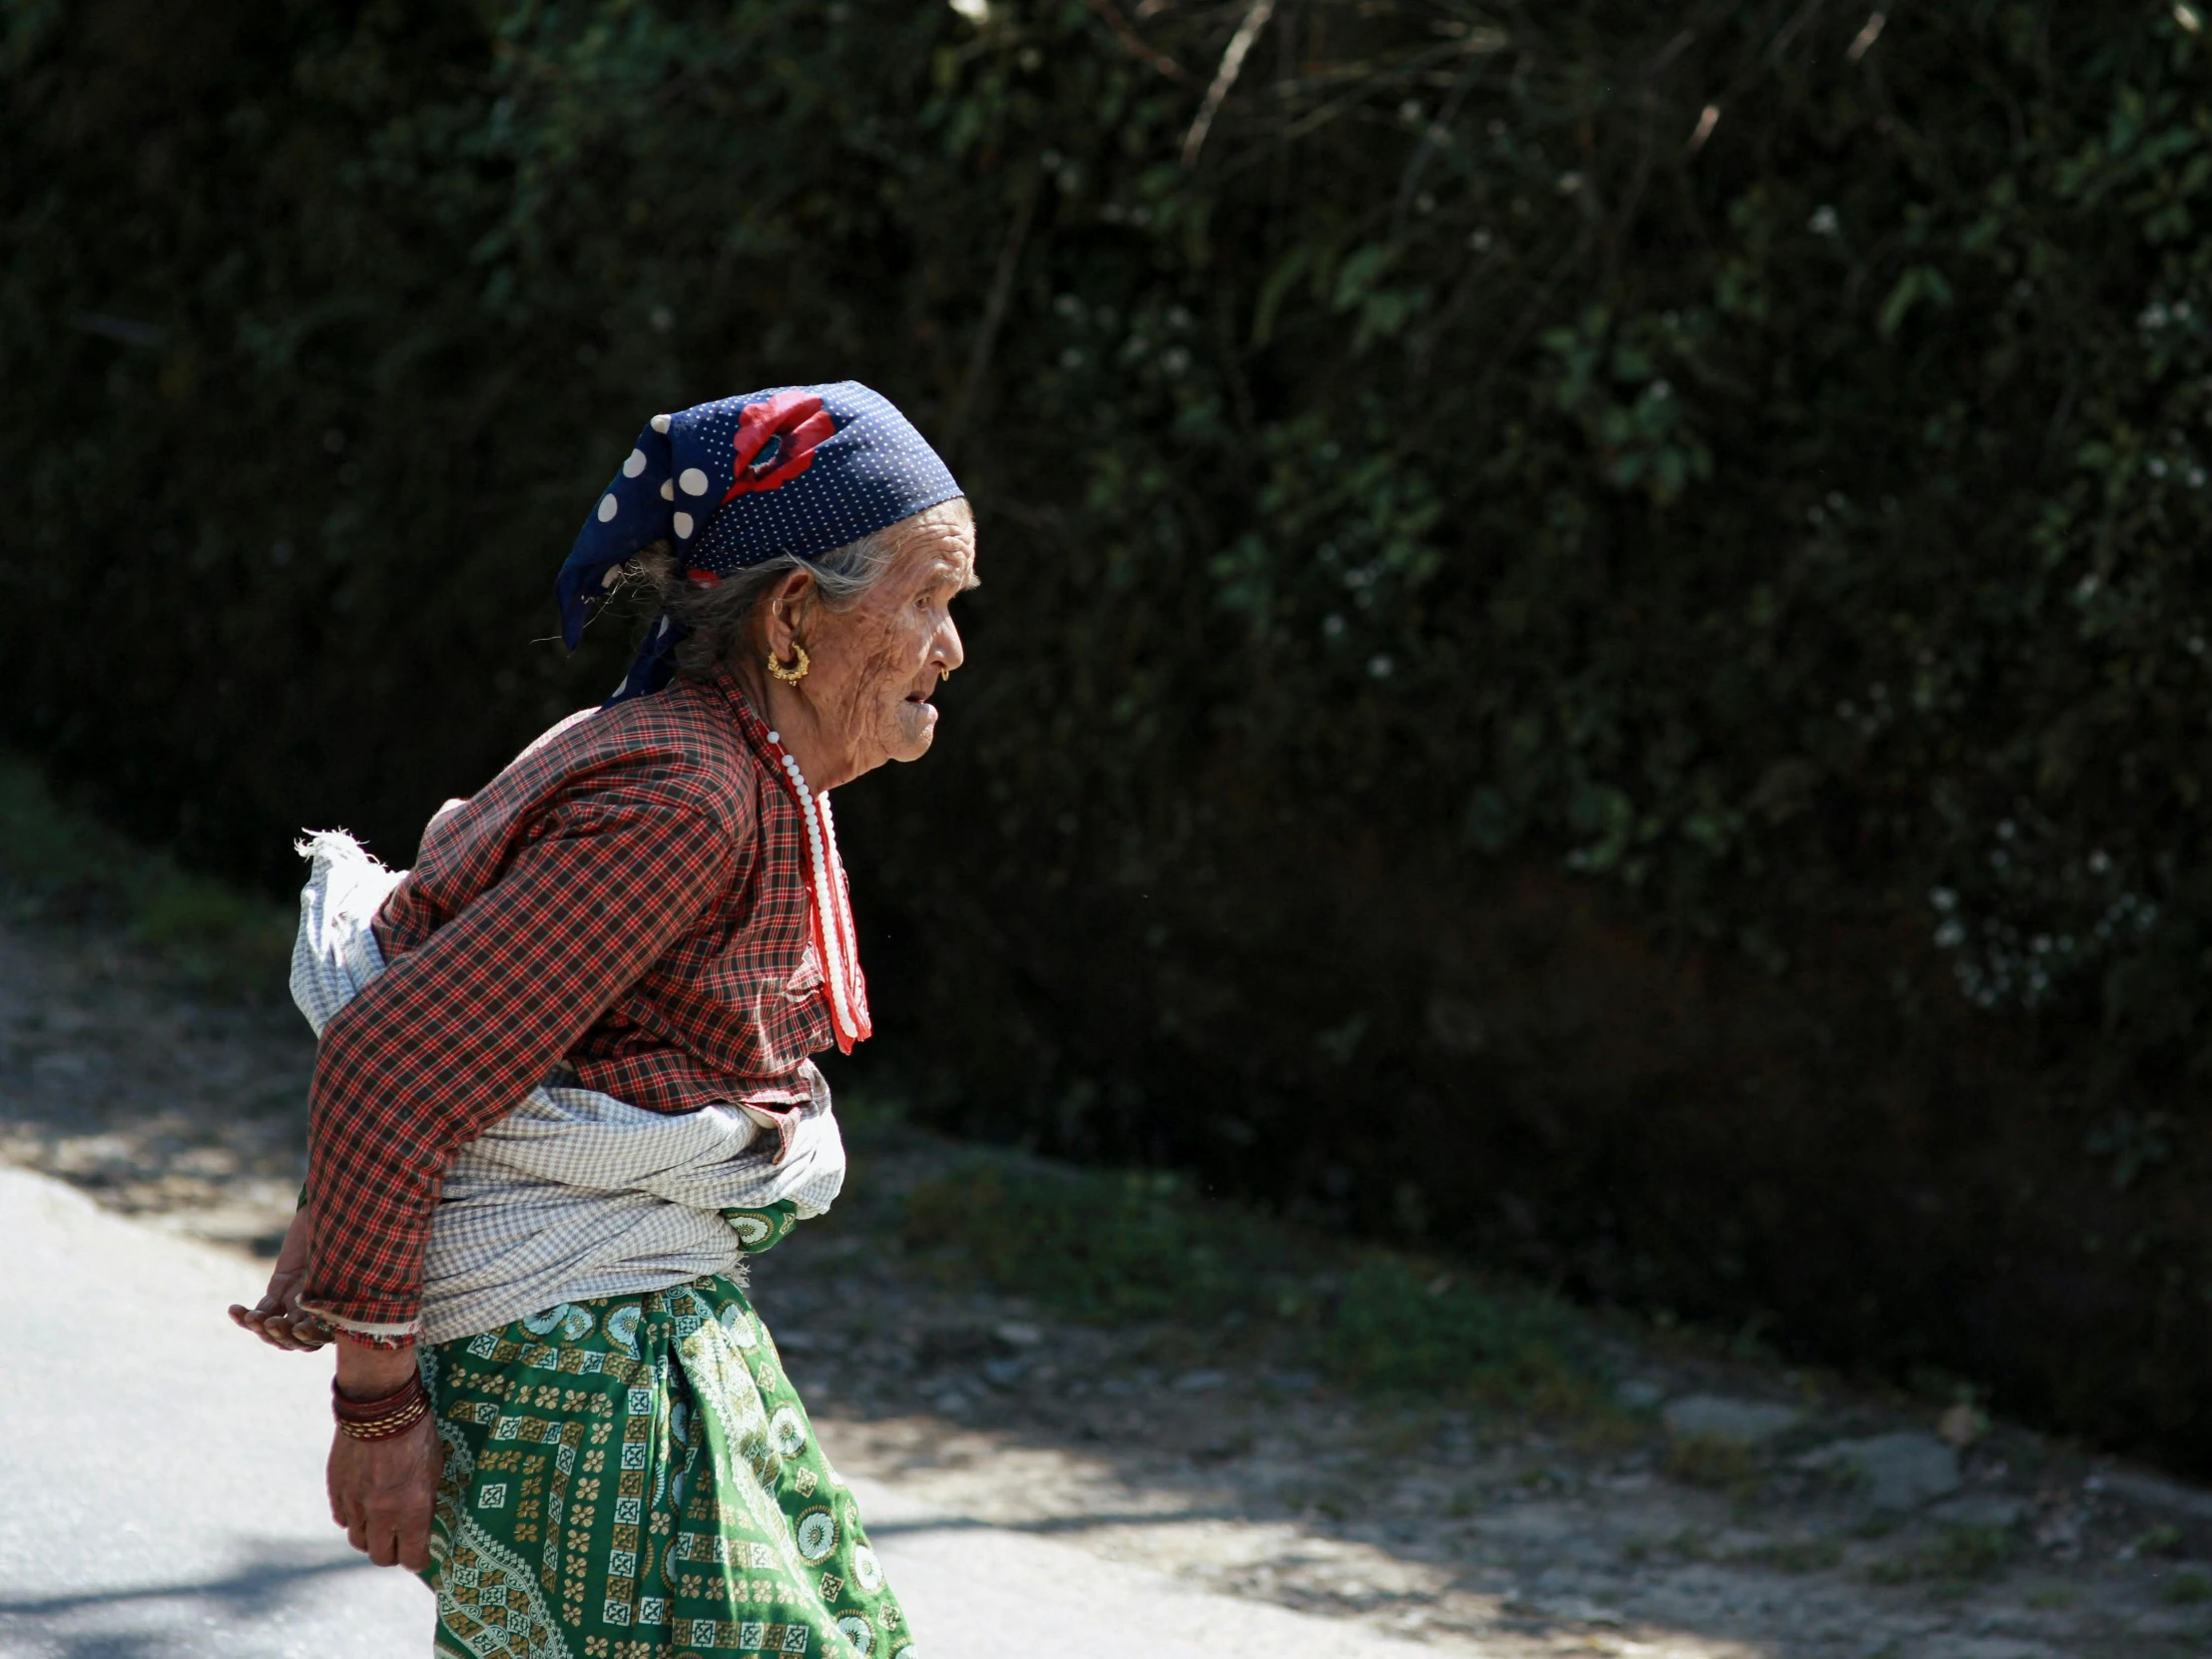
(1395, 1330)
(60, 868)
(1960, 1553)
(1711, 1460)
(2187, 1588)
(1131, 1246)
(1611, 594)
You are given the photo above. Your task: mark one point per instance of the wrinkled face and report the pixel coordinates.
(876, 662)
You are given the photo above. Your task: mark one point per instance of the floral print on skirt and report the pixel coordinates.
(634, 1476)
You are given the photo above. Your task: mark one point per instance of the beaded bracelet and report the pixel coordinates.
(380, 1419)
(386, 1428)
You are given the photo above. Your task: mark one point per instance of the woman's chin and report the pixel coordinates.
(915, 727)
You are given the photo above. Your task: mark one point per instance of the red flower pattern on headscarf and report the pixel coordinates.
(797, 420)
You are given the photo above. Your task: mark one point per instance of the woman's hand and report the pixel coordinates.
(383, 1491)
(277, 1319)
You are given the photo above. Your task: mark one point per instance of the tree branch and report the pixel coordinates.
(1232, 65)
(1137, 46)
(994, 312)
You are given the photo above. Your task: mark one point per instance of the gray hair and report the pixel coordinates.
(718, 616)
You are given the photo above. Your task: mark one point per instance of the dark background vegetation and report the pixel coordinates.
(1594, 648)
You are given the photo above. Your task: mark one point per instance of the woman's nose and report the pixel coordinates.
(950, 653)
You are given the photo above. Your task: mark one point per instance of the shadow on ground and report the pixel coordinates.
(257, 1593)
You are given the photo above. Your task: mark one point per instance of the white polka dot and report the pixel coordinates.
(693, 480)
(660, 423)
(683, 524)
(606, 508)
(667, 489)
(635, 464)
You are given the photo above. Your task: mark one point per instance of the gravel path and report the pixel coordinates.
(1160, 1490)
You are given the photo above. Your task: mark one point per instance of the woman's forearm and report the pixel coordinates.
(371, 1372)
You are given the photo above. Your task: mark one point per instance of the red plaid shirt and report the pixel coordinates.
(630, 897)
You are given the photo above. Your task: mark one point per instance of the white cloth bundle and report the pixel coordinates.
(574, 1194)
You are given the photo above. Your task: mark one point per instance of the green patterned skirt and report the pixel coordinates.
(634, 1476)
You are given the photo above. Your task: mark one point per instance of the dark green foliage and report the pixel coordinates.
(1960, 1553)
(1102, 1246)
(1594, 643)
(1131, 1246)
(1709, 1460)
(2187, 1588)
(1396, 1331)
(1796, 1555)
(58, 867)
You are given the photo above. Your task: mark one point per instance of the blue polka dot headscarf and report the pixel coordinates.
(792, 469)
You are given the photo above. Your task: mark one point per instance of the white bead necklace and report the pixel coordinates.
(835, 938)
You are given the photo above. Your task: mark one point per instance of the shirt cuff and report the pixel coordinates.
(386, 1334)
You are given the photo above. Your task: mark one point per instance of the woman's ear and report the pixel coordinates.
(789, 610)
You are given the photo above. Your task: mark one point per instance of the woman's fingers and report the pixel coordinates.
(306, 1328)
(301, 1332)
(255, 1320)
(414, 1543)
(383, 1491)
(277, 1319)
(400, 1540)
(344, 1512)
(288, 1328)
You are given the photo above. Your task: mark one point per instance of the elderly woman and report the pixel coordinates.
(564, 1084)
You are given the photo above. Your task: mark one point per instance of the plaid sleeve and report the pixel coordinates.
(453, 1033)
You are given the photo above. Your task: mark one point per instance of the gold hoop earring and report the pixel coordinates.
(796, 670)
